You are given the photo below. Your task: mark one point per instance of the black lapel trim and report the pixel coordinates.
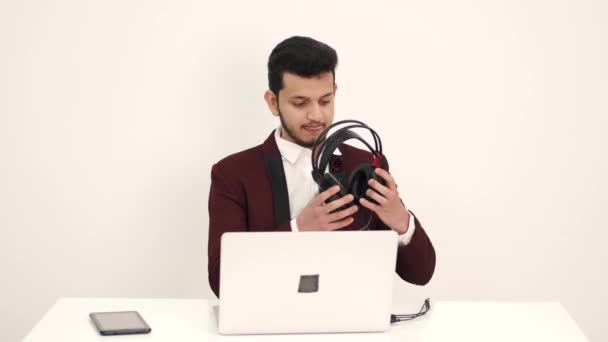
(280, 197)
(278, 183)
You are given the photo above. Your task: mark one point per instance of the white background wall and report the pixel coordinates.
(492, 113)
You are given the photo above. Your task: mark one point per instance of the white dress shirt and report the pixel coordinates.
(301, 187)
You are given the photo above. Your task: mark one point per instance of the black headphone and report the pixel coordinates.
(358, 181)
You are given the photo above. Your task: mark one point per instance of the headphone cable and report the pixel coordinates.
(408, 317)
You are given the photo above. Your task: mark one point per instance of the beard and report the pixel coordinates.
(293, 136)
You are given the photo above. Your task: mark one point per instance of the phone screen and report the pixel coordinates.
(120, 322)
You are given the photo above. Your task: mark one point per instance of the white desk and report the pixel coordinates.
(194, 320)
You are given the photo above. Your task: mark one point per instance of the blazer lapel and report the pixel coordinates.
(278, 183)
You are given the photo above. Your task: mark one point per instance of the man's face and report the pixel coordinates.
(305, 106)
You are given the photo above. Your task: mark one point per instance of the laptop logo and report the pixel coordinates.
(309, 283)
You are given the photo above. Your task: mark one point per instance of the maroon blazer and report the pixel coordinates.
(249, 193)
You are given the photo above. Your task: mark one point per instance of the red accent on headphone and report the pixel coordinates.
(377, 162)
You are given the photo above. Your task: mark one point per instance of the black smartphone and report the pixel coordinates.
(119, 323)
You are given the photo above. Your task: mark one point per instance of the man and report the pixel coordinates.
(270, 188)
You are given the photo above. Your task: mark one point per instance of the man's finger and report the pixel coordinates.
(342, 214)
(340, 224)
(325, 195)
(376, 196)
(331, 206)
(390, 181)
(369, 205)
(379, 187)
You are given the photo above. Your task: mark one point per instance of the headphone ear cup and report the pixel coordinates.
(357, 184)
(383, 163)
(327, 181)
(383, 166)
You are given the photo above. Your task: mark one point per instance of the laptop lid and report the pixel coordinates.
(306, 282)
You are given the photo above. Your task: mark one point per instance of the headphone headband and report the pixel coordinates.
(377, 141)
(322, 158)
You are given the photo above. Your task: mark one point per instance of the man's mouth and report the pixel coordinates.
(313, 128)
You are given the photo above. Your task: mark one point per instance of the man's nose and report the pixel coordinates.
(315, 113)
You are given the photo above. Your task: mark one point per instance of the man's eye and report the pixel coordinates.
(299, 104)
(325, 102)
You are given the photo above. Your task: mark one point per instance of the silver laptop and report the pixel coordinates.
(306, 282)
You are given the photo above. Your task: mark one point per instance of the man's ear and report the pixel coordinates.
(272, 102)
(335, 88)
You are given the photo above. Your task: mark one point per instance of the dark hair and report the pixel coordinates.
(302, 56)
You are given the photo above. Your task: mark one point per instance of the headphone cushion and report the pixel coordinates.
(357, 184)
(326, 182)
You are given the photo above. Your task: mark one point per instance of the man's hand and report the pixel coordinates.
(389, 207)
(318, 216)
